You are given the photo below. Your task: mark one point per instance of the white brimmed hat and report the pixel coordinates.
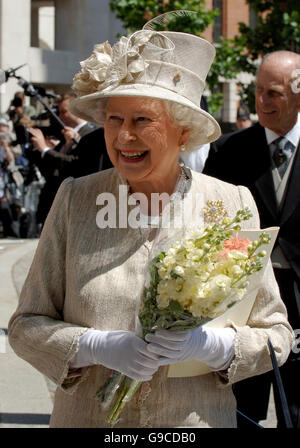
(164, 65)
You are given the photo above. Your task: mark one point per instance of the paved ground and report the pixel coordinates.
(26, 396)
(25, 400)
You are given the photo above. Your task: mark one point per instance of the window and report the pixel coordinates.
(43, 24)
(252, 18)
(217, 27)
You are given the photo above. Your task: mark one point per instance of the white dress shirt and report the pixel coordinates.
(196, 159)
(278, 258)
(293, 135)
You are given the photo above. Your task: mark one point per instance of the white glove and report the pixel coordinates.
(118, 350)
(212, 346)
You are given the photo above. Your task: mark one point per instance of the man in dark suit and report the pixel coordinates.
(269, 165)
(91, 154)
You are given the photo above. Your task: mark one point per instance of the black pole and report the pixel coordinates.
(30, 90)
(279, 385)
(46, 106)
(250, 420)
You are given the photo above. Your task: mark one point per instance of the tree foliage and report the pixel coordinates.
(135, 13)
(278, 27)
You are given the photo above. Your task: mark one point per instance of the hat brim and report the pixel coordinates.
(92, 108)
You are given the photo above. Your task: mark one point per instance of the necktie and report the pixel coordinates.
(283, 152)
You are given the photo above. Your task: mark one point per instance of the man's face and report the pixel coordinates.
(277, 106)
(65, 115)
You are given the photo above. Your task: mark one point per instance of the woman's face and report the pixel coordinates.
(141, 140)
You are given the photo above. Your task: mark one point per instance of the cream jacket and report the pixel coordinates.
(84, 277)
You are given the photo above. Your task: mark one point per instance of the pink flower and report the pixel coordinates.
(236, 243)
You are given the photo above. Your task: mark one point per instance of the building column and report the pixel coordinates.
(34, 32)
(229, 102)
(14, 44)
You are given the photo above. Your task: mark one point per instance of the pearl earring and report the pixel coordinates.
(182, 148)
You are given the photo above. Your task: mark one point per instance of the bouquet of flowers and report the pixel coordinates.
(192, 282)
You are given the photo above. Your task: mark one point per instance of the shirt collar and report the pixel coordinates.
(79, 126)
(293, 135)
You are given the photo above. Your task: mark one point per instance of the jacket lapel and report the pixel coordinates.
(292, 198)
(264, 184)
(265, 187)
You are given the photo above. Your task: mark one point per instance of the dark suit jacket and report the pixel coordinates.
(86, 157)
(55, 162)
(243, 158)
(92, 154)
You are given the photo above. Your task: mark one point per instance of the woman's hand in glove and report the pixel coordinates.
(212, 346)
(118, 350)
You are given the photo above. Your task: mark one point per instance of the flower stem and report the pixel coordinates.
(129, 388)
(106, 394)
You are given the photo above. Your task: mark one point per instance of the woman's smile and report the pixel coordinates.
(133, 156)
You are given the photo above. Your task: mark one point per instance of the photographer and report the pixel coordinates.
(18, 109)
(5, 129)
(26, 166)
(8, 207)
(58, 162)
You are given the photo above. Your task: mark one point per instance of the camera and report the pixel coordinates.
(17, 102)
(54, 128)
(45, 114)
(22, 135)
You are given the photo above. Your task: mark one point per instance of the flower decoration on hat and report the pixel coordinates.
(123, 63)
(127, 61)
(93, 70)
(214, 211)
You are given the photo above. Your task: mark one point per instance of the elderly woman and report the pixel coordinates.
(76, 316)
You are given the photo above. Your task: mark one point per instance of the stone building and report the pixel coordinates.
(51, 37)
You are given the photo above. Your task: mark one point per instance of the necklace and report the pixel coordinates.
(181, 182)
(182, 186)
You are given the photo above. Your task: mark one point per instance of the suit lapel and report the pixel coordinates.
(265, 187)
(292, 198)
(264, 184)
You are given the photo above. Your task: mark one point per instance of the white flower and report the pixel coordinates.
(96, 65)
(93, 70)
(236, 269)
(179, 270)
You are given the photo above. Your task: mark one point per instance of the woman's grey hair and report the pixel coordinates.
(185, 117)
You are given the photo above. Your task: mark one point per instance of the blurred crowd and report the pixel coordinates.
(37, 151)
